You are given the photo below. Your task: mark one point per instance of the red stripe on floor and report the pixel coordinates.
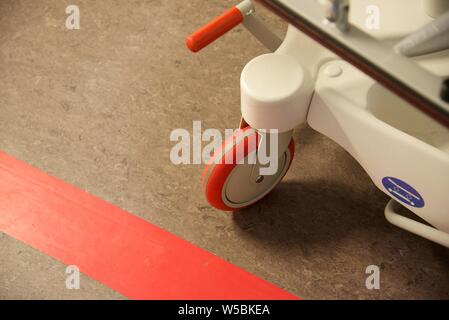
(112, 246)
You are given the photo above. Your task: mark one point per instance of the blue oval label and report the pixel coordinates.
(403, 192)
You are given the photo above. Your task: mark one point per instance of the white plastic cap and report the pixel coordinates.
(275, 92)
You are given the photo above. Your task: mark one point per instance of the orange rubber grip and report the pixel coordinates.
(214, 29)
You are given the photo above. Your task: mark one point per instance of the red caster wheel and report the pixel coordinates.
(233, 186)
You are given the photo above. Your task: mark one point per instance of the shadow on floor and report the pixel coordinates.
(308, 212)
(318, 214)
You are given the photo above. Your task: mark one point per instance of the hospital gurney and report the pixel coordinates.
(380, 91)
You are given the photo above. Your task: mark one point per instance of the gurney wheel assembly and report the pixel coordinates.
(232, 186)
